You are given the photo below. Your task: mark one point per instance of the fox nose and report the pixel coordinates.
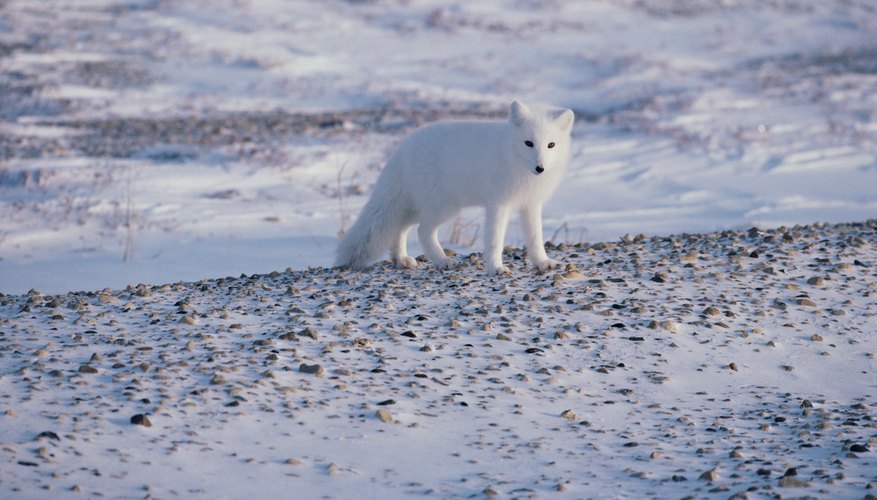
(539, 169)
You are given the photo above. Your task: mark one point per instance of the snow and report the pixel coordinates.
(693, 117)
(157, 142)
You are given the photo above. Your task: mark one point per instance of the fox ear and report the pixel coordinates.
(563, 118)
(519, 113)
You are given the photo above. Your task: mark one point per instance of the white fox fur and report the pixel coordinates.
(442, 168)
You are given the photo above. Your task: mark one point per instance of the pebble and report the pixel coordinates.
(384, 416)
(315, 369)
(710, 475)
(793, 482)
(568, 414)
(670, 326)
(140, 419)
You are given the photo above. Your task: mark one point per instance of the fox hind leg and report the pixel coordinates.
(399, 251)
(427, 234)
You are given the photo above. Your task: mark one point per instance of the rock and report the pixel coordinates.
(384, 416)
(568, 414)
(859, 448)
(806, 302)
(732, 366)
(793, 482)
(48, 435)
(189, 320)
(712, 311)
(709, 475)
(141, 419)
(816, 337)
(316, 369)
(670, 326)
(816, 281)
(308, 332)
(87, 369)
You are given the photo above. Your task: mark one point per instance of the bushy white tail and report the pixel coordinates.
(378, 226)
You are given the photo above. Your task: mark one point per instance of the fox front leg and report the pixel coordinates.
(531, 220)
(496, 221)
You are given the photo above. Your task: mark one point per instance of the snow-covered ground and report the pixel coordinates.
(155, 141)
(726, 365)
(190, 142)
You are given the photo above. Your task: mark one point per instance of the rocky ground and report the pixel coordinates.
(733, 364)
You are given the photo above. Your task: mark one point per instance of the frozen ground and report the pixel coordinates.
(190, 142)
(155, 141)
(724, 365)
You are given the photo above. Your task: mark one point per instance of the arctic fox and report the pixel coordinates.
(442, 168)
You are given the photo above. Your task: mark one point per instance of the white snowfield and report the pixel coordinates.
(145, 142)
(724, 365)
(211, 145)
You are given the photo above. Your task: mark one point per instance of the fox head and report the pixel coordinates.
(541, 136)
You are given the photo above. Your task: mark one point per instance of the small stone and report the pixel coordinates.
(709, 475)
(732, 366)
(859, 448)
(189, 320)
(141, 419)
(788, 368)
(87, 369)
(384, 416)
(49, 435)
(806, 302)
(806, 404)
(670, 326)
(655, 455)
(500, 336)
(568, 414)
(293, 461)
(816, 281)
(316, 369)
(816, 337)
(712, 311)
(490, 492)
(308, 332)
(793, 482)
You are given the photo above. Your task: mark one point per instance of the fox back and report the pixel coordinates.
(479, 163)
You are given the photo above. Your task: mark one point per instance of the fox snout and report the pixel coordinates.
(539, 169)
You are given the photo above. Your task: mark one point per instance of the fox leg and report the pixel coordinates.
(531, 219)
(496, 222)
(427, 233)
(399, 251)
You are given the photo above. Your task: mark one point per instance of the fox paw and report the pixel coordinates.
(499, 270)
(445, 263)
(547, 264)
(406, 262)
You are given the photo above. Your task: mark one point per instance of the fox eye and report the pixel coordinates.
(550, 145)
(529, 144)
